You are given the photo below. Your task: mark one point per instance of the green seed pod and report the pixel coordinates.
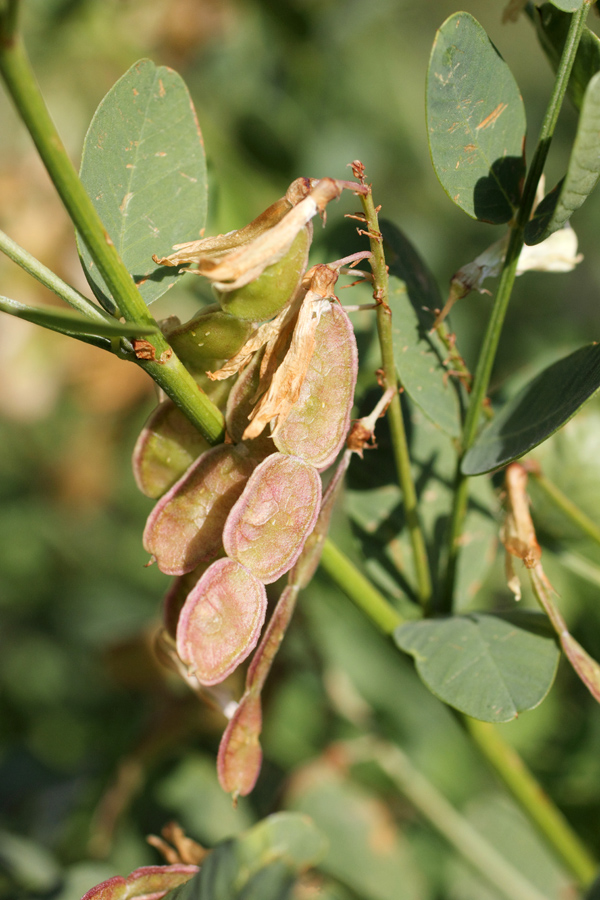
(264, 297)
(168, 444)
(185, 527)
(221, 620)
(211, 335)
(317, 425)
(267, 527)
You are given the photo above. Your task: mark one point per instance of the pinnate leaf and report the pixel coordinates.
(475, 121)
(490, 667)
(537, 411)
(318, 423)
(267, 527)
(143, 166)
(582, 175)
(220, 621)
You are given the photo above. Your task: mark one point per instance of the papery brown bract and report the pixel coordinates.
(168, 444)
(210, 335)
(221, 620)
(316, 427)
(148, 883)
(276, 512)
(185, 527)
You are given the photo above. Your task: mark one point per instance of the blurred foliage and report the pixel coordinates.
(98, 745)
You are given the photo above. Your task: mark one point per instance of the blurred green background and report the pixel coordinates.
(100, 747)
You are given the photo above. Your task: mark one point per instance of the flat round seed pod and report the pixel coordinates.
(318, 423)
(264, 297)
(168, 444)
(267, 527)
(221, 620)
(211, 335)
(185, 527)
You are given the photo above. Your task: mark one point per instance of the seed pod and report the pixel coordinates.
(221, 620)
(267, 527)
(210, 335)
(240, 754)
(185, 527)
(168, 444)
(316, 427)
(264, 297)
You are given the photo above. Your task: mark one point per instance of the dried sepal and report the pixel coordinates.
(229, 269)
(268, 525)
(167, 445)
(221, 620)
(176, 847)
(316, 426)
(240, 755)
(185, 527)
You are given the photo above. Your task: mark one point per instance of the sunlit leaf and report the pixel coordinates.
(537, 411)
(475, 121)
(552, 26)
(490, 667)
(569, 6)
(419, 354)
(582, 175)
(143, 166)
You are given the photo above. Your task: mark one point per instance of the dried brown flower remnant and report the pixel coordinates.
(233, 260)
(176, 846)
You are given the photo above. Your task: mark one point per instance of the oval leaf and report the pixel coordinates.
(220, 621)
(475, 121)
(569, 6)
(537, 411)
(582, 174)
(552, 27)
(490, 667)
(419, 355)
(267, 527)
(316, 427)
(143, 166)
(185, 527)
(168, 444)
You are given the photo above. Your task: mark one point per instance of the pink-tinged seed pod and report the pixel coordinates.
(186, 525)
(150, 881)
(221, 620)
(318, 423)
(168, 444)
(268, 525)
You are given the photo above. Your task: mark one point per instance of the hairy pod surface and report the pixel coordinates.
(264, 297)
(185, 527)
(167, 446)
(316, 427)
(268, 525)
(210, 335)
(221, 620)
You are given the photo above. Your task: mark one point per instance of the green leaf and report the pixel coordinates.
(552, 27)
(143, 166)
(475, 121)
(537, 411)
(260, 864)
(491, 667)
(71, 323)
(594, 891)
(582, 174)
(418, 354)
(569, 6)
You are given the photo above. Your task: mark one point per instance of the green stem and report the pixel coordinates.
(359, 589)
(164, 367)
(446, 820)
(395, 419)
(576, 515)
(487, 355)
(549, 821)
(49, 279)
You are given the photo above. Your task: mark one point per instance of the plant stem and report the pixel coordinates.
(576, 515)
(49, 279)
(359, 589)
(487, 355)
(547, 818)
(446, 820)
(164, 367)
(396, 421)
